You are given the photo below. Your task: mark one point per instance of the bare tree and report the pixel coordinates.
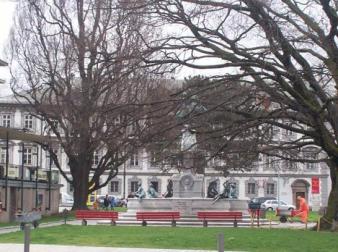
(202, 105)
(78, 63)
(286, 50)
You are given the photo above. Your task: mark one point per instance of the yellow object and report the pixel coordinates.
(91, 198)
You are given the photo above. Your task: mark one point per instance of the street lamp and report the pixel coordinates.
(278, 182)
(49, 180)
(22, 172)
(6, 181)
(124, 180)
(36, 176)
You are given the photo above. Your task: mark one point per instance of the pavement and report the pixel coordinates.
(63, 248)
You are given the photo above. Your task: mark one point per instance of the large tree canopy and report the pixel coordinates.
(285, 50)
(78, 63)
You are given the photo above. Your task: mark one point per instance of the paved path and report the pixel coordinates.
(61, 248)
(11, 229)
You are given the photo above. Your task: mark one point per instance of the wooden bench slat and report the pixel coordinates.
(88, 214)
(219, 215)
(157, 215)
(213, 216)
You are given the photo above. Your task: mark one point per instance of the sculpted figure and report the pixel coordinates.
(212, 189)
(169, 192)
(152, 193)
(140, 193)
(229, 191)
(188, 141)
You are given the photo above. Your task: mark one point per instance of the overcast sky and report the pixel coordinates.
(6, 14)
(7, 8)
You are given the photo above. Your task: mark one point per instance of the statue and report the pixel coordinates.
(152, 193)
(189, 107)
(232, 191)
(212, 189)
(169, 192)
(229, 192)
(187, 110)
(188, 141)
(140, 193)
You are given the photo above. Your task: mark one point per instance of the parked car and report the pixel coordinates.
(117, 201)
(66, 200)
(273, 204)
(256, 202)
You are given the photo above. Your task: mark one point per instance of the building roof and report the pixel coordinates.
(3, 63)
(11, 99)
(15, 134)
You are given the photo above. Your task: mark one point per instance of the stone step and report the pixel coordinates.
(196, 220)
(181, 222)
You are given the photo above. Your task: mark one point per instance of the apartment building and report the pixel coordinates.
(25, 183)
(284, 179)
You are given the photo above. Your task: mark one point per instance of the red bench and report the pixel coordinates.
(153, 216)
(218, 216)
(85, 215)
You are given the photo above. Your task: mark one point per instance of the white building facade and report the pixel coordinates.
(284, 180)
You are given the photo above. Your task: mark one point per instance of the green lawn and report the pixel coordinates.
(44, 219)
(313, 216)
(247, 239)
(57, 217)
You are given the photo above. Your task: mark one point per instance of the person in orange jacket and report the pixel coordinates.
(303, 210)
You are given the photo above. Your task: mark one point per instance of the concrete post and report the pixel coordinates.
(27, 230)
(220, 242)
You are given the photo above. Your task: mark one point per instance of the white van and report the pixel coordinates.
(66, 199)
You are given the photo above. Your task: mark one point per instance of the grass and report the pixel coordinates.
(44, 219)
(247, 239)
(313, 216)
(56, 217)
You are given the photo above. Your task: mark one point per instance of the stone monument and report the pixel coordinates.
(185, 190)
(188, 184)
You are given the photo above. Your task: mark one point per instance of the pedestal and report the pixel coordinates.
(187, 185)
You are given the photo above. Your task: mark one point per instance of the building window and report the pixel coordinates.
(271, 163)
(27, 156)
(134, 159)
(270, 188)
(310, 155)
(311, 166)
(154, 158)
(50, 161)
(251, 188)
(70, 188)
(3, 155)
(96, 158)
(6, 120)
(28, 121)
(40, 199)
(117, 120)
(114, 186)
(134, 186)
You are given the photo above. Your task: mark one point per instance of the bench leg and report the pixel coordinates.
(144, 223)
(84, 223)
(205, 223)
(113, 223)
(235, 223)
(173, 223)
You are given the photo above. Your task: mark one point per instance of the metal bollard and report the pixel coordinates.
(220, 242)
(27, 230)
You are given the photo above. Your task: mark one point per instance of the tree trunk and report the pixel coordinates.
(80, 184)
(332, 207)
